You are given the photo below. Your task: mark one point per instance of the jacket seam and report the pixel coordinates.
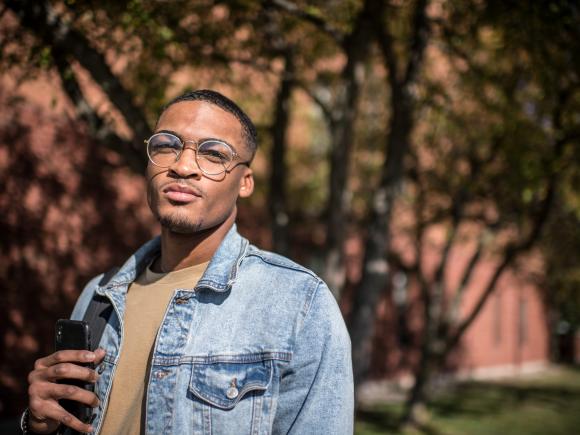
(305, 311)
(231, 359)
(259, 253)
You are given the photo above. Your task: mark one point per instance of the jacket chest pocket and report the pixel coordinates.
(231, 394)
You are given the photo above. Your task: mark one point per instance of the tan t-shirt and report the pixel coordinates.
(147, 300)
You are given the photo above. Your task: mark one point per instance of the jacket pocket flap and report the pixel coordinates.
(224, 384)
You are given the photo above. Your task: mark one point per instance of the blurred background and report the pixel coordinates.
(421, 156)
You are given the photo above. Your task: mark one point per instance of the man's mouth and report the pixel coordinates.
(181, 193)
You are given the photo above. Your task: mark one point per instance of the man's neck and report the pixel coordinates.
(179, 251)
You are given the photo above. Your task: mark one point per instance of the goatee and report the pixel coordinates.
(179, 225)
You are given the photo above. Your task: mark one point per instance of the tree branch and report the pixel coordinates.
(309, 17)
(385, 41)
(419, 39)
(318, 100)
(467, 273)
(98, 129)
(510, 255)
(446, 250)
(41, 18)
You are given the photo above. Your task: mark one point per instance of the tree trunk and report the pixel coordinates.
(417, 398)
(278, 175)
(375, 272)
(415, 403)
(356, 47)
(375, 266)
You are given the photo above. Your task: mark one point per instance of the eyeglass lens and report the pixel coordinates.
(213, 157)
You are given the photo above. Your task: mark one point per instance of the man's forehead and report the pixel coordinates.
(195, 117)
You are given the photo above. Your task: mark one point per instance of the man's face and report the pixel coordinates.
(182, 197)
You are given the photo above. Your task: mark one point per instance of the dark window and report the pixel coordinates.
(497, 320)
(523, 321)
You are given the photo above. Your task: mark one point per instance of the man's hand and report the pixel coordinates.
(43, 391)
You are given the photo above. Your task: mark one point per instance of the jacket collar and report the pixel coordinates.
(223, 267)
(219, 276)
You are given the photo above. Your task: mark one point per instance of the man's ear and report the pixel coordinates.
(246, 183)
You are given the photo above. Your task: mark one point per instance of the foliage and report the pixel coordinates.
(538, 405)
(461, 116)
(489, 188)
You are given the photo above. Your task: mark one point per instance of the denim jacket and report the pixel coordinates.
(259, 346)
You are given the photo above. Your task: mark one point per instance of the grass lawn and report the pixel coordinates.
(543, 405)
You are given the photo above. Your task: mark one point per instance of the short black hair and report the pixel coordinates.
(249, 132)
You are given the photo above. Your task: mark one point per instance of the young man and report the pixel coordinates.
(208, 334)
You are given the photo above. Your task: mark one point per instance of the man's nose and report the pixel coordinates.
(186, 165)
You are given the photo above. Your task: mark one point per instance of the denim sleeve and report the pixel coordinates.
(316, 389)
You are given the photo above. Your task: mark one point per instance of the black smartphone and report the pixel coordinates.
(75, 335)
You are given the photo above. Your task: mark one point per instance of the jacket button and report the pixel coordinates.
(232, 393)
(101, 369)
(181, 301)
(161, 374)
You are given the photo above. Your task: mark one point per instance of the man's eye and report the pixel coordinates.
(214, 152)
(213, 155)
(165, 147)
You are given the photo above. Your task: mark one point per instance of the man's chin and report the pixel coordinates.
(179, 225)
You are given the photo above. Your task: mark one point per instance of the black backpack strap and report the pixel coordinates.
(99, 311)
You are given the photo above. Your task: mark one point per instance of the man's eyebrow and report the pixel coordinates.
(174, 133)
(203, 139)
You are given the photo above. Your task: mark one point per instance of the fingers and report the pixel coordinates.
(63, 371)
(73, 422)
(45, 412)
(71, 392)
(99, 356)
(43, 417)
(48, 391)
(43, 391)
(78, 356)
(70, 371)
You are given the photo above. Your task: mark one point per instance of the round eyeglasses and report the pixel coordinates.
(213, 156)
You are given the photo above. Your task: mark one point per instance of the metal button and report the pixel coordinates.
(101, 368)
(181, 301)
(161, 374)
(232, 393)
